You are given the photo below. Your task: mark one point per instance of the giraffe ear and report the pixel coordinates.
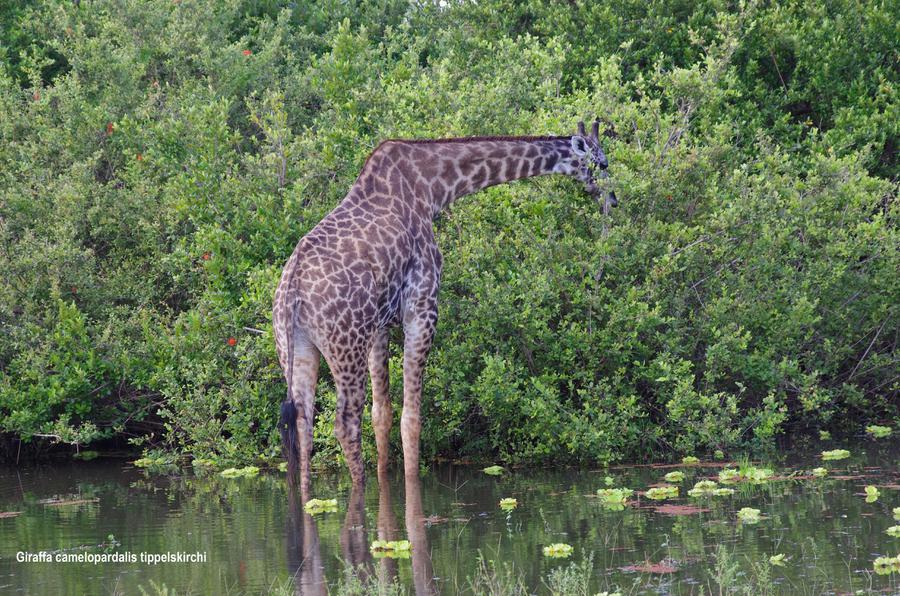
(579, 146)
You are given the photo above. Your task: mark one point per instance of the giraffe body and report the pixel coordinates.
(373, 263)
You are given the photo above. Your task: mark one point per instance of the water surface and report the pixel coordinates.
(257, 539)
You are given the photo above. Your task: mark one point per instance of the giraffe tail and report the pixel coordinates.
(288, 426)
(288, 423)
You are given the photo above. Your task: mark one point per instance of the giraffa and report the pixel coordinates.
(373, 263)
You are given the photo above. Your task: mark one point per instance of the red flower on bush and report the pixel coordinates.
(139, 157)
(247, 52)
(232, 341)
(109, 128)
(205, 256)
(36, 96)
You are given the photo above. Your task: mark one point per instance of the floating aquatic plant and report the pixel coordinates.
(879, 432)
(508, 504)
(203, 462)
(729, 475)
(777, 560)
(395, 549)
(748, 515)
(893, 531)
(493, 470)
(614, 495)
(658, 493)
(609, 480)
(835, 454)
(675, 476)
(245, 472)
(560, 550)
(758, 475)
(886, 565)
(824, 435)
(897, 513)
(872, 494)
(159, 461)
(702, 489)
(708, 488)
(316, 506)
(614, 499)
(689, 459)
(719, 454)
(751, 474)
(820, 472)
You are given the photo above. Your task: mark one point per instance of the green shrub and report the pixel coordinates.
(159, 161)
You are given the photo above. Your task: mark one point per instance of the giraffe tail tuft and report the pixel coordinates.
(288, 426)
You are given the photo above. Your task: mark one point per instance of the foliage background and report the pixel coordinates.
(159, 161)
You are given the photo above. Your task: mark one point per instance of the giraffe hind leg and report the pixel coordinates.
(379, 355)
(298, 410)
(350, 380)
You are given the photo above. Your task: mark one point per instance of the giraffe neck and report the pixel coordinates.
(456, 167)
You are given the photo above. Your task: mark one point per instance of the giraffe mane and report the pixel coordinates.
(464, 140)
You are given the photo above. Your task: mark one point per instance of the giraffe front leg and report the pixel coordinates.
(381, 399)
(418, 329)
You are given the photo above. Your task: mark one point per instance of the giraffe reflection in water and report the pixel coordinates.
(304, 549)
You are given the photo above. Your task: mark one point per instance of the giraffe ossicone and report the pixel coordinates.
(373, 263)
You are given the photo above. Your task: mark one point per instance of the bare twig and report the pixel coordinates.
(866, 353)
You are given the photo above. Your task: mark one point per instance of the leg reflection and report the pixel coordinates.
(354, 537)
(387, 528)
(423, 571)
(304, 553)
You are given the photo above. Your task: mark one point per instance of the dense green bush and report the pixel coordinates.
(158, 162)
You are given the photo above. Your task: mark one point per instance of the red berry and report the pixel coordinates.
(139, 157)
(109, 128)
(206, 256)
(232, 341)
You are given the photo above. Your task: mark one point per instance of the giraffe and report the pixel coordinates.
(373, 264)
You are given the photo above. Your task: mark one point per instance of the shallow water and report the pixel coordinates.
(257, 539)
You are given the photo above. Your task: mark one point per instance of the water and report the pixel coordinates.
(256, 539)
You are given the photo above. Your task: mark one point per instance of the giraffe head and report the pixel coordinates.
(589, 160)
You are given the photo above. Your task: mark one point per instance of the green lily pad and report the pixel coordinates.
(614, 498)
(689, 459)
(658, 493)
(559, 550)
(748, 515)
(820, 472)
(394, 549)
(676, 476)
(508, 504)
(893, 531)
(879, 432)
(316, 506)
(493, 470)
(886, 565)
(872, 494)
(835, 454)
(245, 472)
